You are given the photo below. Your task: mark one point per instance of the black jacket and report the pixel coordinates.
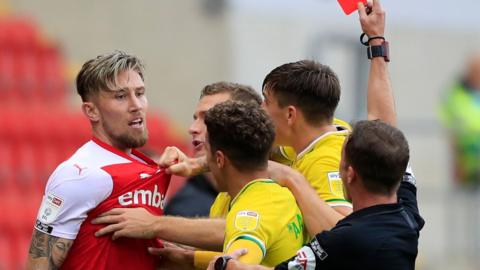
(378, 237)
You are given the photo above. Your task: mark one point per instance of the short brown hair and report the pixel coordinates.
(101, 72)
(238, 92)
(379, 153)
(312, 87)
(243, 131)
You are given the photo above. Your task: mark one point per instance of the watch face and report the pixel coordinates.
(219, 263)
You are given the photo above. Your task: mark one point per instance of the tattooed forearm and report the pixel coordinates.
(47, 252)
(59, 248)
(38, 245)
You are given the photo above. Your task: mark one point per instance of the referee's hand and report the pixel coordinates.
(373, 22)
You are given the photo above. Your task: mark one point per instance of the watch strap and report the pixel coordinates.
(379, 51)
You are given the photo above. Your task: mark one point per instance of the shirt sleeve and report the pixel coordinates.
(69, 195)
(325, 179)
(248, 223)
(322, 252)
(407, 195)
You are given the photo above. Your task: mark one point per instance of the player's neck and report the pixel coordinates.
(305, 135)
(104, 138)
(237, 180)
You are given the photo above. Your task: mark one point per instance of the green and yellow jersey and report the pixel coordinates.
(219, 208)
(319, 166)
(264, 218)
(319, 162)
(286, 155)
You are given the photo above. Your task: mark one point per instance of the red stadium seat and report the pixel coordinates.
(7, 260)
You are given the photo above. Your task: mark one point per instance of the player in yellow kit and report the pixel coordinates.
(262, 216)
(329, 157)
(301, 98)
(265, 214)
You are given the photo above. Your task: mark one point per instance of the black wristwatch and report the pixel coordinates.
(379, 51)
(221, 262)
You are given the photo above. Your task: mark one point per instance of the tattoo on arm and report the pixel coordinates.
(48, 251)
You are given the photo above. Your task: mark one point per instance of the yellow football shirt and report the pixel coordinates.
(330, 191)
(286, 155)
(219, 208)
(319, 162)
(266, 214)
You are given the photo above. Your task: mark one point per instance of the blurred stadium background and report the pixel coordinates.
(187, 44)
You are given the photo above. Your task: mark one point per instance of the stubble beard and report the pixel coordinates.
(127, 140)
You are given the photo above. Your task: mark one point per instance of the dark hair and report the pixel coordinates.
(312, 87)
(239, 92)
(101, 72)
(379, 153)
(243, 131)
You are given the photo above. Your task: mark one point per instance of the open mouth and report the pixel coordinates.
(136, 123)
(197, 144)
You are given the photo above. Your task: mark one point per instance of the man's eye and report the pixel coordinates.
(120, 96)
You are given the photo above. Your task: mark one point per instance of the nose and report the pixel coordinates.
(136, 103)
(194, 128)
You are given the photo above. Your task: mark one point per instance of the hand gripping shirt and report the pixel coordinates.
(266, 214)
(95, 179)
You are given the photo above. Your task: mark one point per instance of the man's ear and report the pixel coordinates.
(291, 114)
(91, 111)
(351, 175)
(220, 159)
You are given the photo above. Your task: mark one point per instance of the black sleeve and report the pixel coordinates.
(323, 252)
(407, 196)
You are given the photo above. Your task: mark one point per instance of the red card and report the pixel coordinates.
(350, 6)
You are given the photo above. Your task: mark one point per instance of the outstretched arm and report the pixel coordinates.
(47, 251)
(317, 215)
(139, 223)
(380, 100)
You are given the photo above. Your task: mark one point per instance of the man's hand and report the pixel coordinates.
(283, 175)
(373, 23)
(127, 222)
(235, 255)
(176, 162)
(174, 257)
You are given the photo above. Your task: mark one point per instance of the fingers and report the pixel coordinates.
(376, 5)
(362, 12)
(156, 251)
(170, 245)
(114, 211)
(238, 253)
(169, 157)
(118, 234)
(106, 219)
(108, 229)
(180, 169)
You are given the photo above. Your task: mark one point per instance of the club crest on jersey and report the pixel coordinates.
(336, 185)
(143, 196)
(246, 220)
